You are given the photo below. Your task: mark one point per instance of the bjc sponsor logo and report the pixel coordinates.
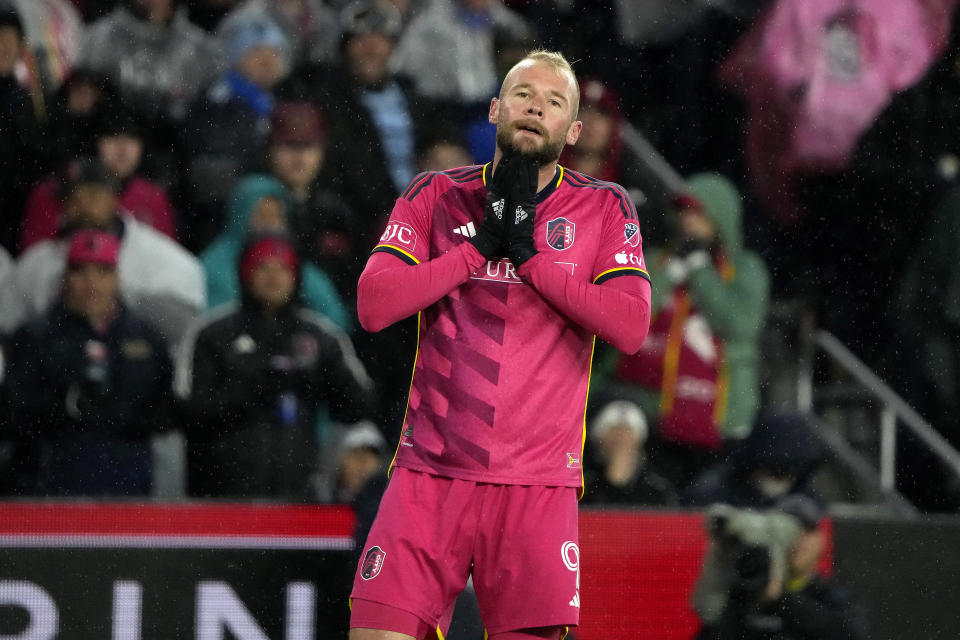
(400, 233)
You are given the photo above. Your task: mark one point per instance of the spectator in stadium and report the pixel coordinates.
(225, 134)
(155, 55)
(375, 123)
(696, 374)
(119, 146)
(157, 277)
(456, 51)
(21, 158)
(330, 235)
(90, 381)
(444, 148)
(53, 33)
(778, 457)
(357, 458)
(375, 117)
(618, 433)
(447, 49)
(311, 26)
(254, 376)
(260, 203)
(602, 152)
(73, 119)
(763, 602)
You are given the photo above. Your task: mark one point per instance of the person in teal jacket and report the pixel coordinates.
(697, 373)
(261, 203)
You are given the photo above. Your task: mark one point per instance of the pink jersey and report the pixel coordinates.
(500, 380)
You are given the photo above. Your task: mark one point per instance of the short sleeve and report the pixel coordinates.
(408, 230)
(620, 252)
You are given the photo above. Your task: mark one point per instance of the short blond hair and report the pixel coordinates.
(556, 60)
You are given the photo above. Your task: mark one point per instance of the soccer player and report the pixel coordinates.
(514, 267)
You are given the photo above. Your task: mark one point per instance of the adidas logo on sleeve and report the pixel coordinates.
(467, 230)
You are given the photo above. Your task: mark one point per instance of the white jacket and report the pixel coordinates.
(159, 279)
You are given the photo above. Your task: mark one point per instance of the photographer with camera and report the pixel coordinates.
(760, 580)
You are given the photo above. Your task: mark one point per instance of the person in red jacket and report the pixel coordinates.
(119, 147)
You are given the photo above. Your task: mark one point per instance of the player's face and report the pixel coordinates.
(534, 113)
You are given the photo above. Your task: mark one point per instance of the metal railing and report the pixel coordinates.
(895, 410)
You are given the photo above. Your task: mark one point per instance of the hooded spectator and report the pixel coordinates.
(697, 372)
(254, 376)
(260, 204)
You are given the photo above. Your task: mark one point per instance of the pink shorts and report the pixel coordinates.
(520, 542)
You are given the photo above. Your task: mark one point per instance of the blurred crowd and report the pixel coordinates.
(190, 189)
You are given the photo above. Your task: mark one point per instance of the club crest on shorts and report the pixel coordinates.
(372, 563)
(631, 231)
(560, 233)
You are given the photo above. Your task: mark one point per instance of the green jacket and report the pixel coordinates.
(734, 309)
(220, 259)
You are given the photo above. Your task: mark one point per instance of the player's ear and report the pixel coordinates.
(573, 133)
(494, 111)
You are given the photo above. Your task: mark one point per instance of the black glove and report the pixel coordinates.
(523, 208)
(491, 234)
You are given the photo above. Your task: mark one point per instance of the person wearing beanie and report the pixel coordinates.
(21, 157)
(310, 26)
(119, 147)
(255, 375)
(227, 128)
(617, 473)
(696, 376)
(260, 203)
(90, 381)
